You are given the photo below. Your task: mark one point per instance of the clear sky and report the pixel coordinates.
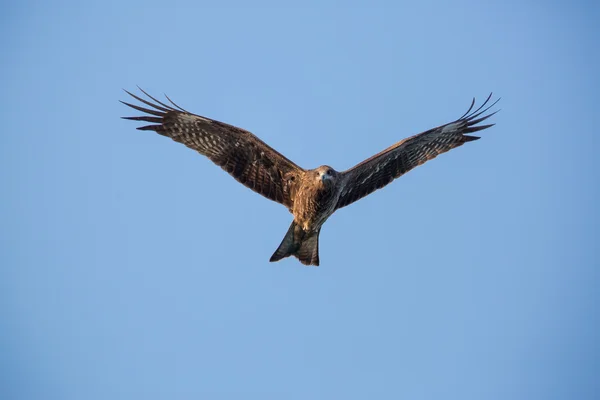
(132, 267)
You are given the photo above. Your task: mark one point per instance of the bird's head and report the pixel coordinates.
(325, 174)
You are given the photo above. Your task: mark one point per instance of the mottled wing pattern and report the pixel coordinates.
(248, 159)
(381, 169)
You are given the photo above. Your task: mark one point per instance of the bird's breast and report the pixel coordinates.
(314, 204)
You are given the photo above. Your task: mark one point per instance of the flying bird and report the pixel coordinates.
(311, 195)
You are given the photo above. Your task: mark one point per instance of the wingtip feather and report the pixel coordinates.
(147, 128)
(478, 128)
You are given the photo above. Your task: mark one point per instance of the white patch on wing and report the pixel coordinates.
(192, 118)
(366, 178)
(450, 127)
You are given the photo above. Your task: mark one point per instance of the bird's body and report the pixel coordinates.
(316, 197)
(315, 200)
(310, 195)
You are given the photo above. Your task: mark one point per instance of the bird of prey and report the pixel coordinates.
(311, 195)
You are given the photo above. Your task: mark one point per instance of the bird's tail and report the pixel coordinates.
(300, 244)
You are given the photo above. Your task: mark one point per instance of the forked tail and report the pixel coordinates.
(300, 244)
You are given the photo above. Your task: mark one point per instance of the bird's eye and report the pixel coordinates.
(328, 172)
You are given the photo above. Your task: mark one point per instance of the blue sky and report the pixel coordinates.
(131, 267)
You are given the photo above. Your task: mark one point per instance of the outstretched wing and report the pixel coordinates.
(248, 159)
(381, 169)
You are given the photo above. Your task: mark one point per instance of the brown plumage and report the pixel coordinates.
(310, 195)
